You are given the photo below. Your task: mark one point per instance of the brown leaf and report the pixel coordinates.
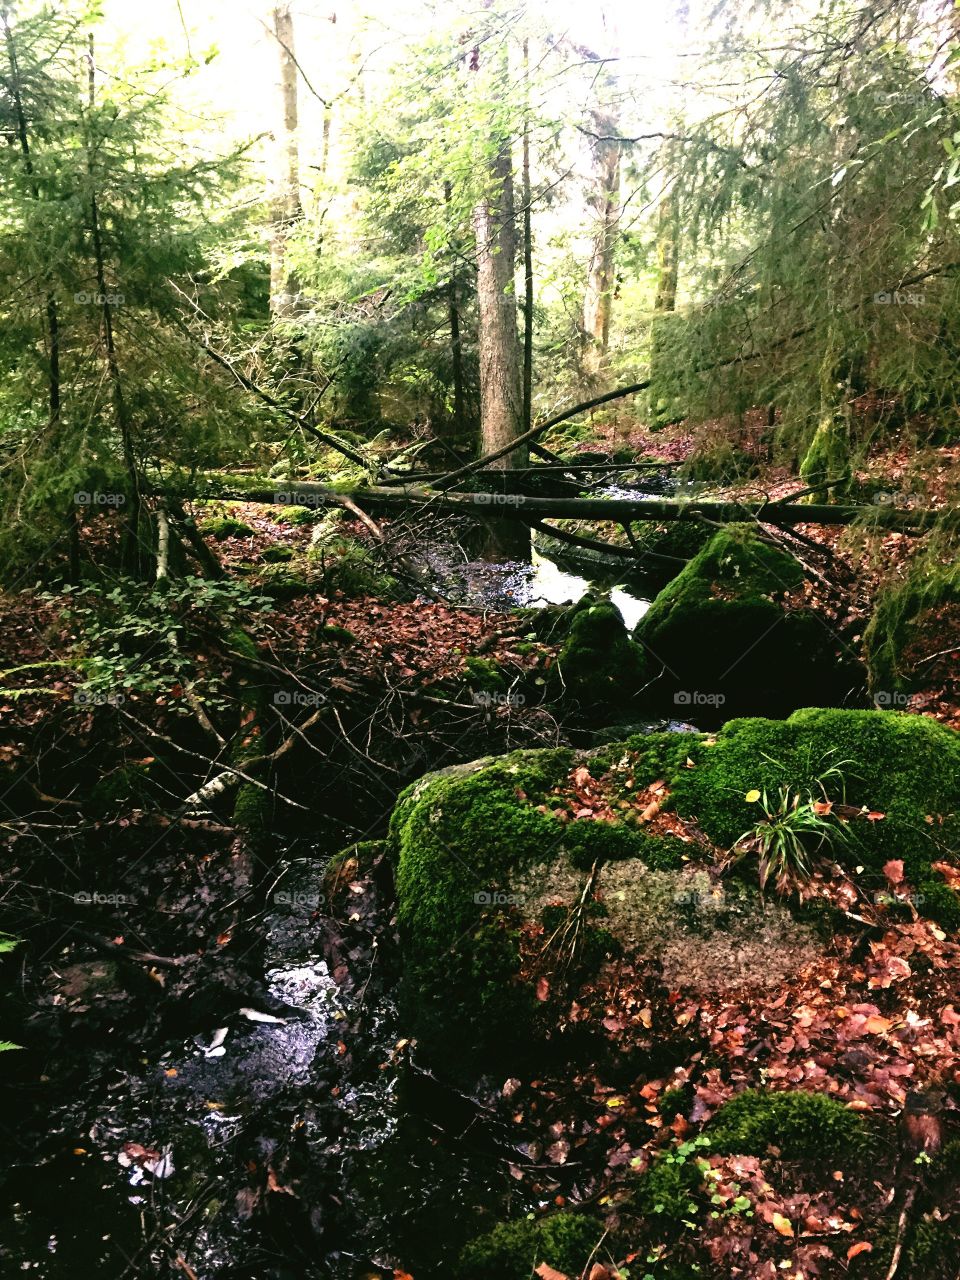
(864, 1246)
(546, 1272)
(893, 870)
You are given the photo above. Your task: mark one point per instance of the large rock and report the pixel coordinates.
(729, 636)
(504, 868)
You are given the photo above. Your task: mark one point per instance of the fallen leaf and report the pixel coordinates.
(782, 1224)
(864, 1246)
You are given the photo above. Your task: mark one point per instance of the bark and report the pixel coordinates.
(527, 420)
(518, 507)
(456, 341)
(284, 287)
(131, 556)
(601, 277)
(500, 398)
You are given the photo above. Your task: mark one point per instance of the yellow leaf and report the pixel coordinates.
(752, 796)
(614, 1102)
(782, 1224)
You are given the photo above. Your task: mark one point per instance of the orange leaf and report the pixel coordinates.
(863, 1247)
(543, 989)
(782, 1224)
(875, 1025)
(546, 1272)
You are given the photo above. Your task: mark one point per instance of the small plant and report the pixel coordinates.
(796, 825)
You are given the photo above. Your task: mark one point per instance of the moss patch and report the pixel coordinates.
(599, 667)
(721, 638)
(801, 1126)
(513, 1250)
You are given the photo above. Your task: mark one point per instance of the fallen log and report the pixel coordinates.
(487, 506)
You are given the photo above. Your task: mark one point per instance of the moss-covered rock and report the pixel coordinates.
(283, 582)
(801, 1126)
(719, 640)
(296, 515)
(222, 527)
(513, 1250)
(599, 668)
(904, 767)
(278, 554)
(485, 852)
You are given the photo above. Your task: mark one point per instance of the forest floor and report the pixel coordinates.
(871, 1015)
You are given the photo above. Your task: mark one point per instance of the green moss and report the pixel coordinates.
(899, 620)
(349, 568)
(121, 789)
(667, 1189)
(485, 675)
(281, 583)
(278, 555)
(597, 840)
(800, 1125)
(718, 640)
(221, 527)
(512, 1250)
(457, 839)
(599, 667)
(828, 457)
(296, 515)
(906, 767)
(336, 635)
(674, 1101)
(252, 811)
(939, 902)
(931, 1243)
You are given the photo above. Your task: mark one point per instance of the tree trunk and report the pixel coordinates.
(132, 557)
(526, 195)
(668, 224)
(500, 395)
(284, 287)
(456, 341)
(605, 201)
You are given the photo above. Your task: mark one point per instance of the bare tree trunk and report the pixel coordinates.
(500, 397)
(456, 341)
(284, 287)
(668, 220)
(131, 557)
(601, 277)
(527, 254)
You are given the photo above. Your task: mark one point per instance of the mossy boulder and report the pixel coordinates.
(486, 855)
(513, 1250)
(799, 1125)
(718, 640)
(599, 668)
(905, 767)
(223, 527)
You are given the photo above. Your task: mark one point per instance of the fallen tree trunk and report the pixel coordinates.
(525, 507)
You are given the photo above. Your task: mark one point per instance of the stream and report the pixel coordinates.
(290, 1133)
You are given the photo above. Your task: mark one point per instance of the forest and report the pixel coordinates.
(480, 639)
